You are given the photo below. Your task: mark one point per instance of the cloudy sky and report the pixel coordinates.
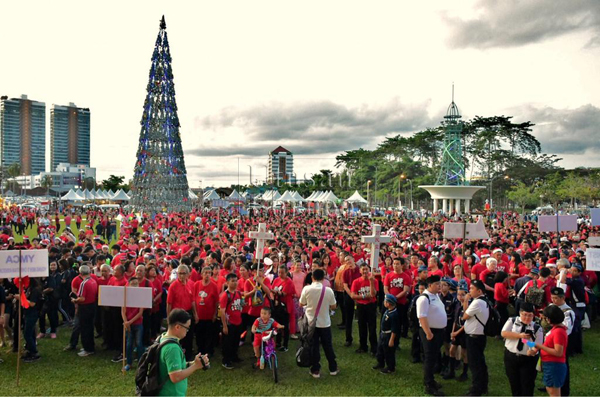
(316, 77)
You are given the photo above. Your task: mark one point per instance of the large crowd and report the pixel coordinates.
(437, 293)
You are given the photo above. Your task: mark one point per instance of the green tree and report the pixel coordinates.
(47, 182)
(523, 195)
(113, 182)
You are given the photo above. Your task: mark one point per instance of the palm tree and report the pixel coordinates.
(47, 183)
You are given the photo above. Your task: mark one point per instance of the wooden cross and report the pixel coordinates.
(261, 236)
(375, 240)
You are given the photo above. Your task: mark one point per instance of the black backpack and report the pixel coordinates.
(413, 320)
(492, 327)
(146, 376)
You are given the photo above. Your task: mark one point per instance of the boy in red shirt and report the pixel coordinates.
(231, 303)
(261, 326)
(132, 321)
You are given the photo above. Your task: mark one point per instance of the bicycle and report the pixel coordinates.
(268, 353)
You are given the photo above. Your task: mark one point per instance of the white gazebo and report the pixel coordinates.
(452, 197)
(120, 196)
(210, 195)
(356, 198)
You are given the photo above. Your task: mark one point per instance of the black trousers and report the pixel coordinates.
(349, 317)
(146, 327)
(521, 373)
(206, 331)
(502, 311)
(367, 325)
(385, 354)
(155, 322)
(431, 353)
(187, 343)
(476, 355)
(283, 336)
(98, 323)
(84, 325)
(51, 308)
(114, 332)
(566, 389)
(231, 343)
(416, 348)
(322, 336)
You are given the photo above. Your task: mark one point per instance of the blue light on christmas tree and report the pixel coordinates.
(159, 176)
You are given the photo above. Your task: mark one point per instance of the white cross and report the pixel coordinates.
(261, 236)
(375, 240)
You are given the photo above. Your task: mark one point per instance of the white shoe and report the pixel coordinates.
(316, 376)
(334, 373)
(84, 353)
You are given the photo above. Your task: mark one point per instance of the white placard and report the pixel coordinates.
(375, 240)
(219, 203)
(110, 295)
(594, 241)
(595, 214)
(567, 223)
(34, 263)
(475, 231)
(592, 259)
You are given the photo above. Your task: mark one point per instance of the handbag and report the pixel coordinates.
(307, 330)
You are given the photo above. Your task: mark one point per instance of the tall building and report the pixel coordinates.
(281, 166)
(69, 135)
(23, 134)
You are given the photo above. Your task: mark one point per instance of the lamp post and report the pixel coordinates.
(411, 190)
(375, 190)
(368, 196)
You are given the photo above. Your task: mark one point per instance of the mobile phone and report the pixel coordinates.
(73, 295)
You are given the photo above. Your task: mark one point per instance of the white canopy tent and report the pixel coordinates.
(210, 195)
(72, 196)
(328, 197)
(120, 196)
(192, 195)
(235, 196)
(356, 198)
(287, 198)
(298, 197)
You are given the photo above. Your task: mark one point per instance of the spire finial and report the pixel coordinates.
(453, 91)
(163, 24)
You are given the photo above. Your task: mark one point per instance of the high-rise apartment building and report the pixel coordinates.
(281, 166)
(69, 135)
(23, 134)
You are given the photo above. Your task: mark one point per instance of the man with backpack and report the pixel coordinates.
(163, 370)
(477, 313)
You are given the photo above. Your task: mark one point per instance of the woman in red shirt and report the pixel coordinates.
(501, 295)
(553, 351)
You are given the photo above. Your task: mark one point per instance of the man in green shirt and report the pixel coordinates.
(173, 369)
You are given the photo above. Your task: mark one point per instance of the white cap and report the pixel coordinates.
(497, 250)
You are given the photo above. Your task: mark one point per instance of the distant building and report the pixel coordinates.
(69, 135)
(23, 134)
(65, 177)
(281, 166)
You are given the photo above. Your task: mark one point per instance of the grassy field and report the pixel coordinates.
(64, 373)
(33, 231)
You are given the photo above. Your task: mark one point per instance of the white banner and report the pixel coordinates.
(567, 223)
(595, 212)
(110, 295)
(592, 259)
(34, 263)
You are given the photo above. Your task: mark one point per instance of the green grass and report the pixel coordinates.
(33, 231)
(64, 373)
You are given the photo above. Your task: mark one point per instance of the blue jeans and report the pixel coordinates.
(134, 335)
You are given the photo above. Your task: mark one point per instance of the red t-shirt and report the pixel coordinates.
(288, 288)
(206, 297)
(131, 312)
(88, 288)
(156, 285)
(350, 275)
(75, 283)
(117, 282)
(556, 336)
(477, 269)
(395, 283)
(501, 293)
(180, 296)
(437, 272)
(362, 287)
(233, 304)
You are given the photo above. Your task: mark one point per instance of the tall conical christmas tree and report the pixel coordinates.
(159, 176)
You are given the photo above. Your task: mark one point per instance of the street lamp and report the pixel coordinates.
(411, 190)
(368, 196)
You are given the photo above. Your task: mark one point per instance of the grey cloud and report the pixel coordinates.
(565, 131)
(520, 22)
(311, 128)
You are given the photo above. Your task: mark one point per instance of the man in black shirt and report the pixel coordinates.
(30, 310)
(577, 302)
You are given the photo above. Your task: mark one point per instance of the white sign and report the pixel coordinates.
(592, 259)
(375, 240)
(261, 236)
(595, 212)
(475, 231)
(219, 203)
(110, 295)
(594, 241)
(566, 223)
(34, 263)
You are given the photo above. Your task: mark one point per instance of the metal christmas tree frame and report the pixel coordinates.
(452, 171)
(159, 176)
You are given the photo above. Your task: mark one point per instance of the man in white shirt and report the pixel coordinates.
(476, 316)
(309, 298)
(433, 319)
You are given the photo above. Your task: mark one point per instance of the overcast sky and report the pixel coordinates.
(316, 77)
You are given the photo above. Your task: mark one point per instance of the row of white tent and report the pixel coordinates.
(90, 195)
(287, 197)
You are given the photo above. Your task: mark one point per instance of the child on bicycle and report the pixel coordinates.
(261, 326)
